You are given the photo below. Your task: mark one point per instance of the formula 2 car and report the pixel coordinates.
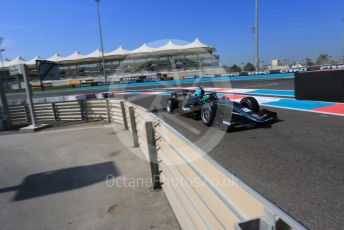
(221, 112)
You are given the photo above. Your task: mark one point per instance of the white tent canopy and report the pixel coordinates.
(195, 44)
(33, 60)
(95, 54)
(74, 56)
(16, 61)
(142, 49)
(5, 62)
(118, 51)
(169, 46)
(55, 57)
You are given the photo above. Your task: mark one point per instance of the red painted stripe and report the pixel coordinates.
(234, 96)
(219, 90)
(336, 108)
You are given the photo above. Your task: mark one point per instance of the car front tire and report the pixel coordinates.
(172, 104)
(250, 103)
(208, 114)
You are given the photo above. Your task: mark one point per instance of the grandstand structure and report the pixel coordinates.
(145, 60)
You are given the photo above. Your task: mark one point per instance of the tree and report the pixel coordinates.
(234, 68)
(323, 59)
(309, 62)
(249, 67)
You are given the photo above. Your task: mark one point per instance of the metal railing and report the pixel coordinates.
(94, 109)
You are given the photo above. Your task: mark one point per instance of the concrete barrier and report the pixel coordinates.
(201, 192)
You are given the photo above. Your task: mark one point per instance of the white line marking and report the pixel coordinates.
(263, 85)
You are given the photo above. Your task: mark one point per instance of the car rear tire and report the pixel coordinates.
(208, 114)
(172, 104)
(186, 101)
(250, 103)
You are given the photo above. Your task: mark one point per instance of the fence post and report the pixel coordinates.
(55, 111)
(153, 155)
(125, 122)
(5, 110)
(106, 96)
(28, 88)
(27, 116)
(133, 126)
(82, 109)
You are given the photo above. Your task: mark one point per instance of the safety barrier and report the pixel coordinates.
(19, 114)
(202, 194)
(94, 109)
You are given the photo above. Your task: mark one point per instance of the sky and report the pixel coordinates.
(289, 29)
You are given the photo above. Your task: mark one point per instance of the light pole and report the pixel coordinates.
(1, 50)
(257, 36)
(101, 39)
(253, 30)
(1, 59)
(343, 41)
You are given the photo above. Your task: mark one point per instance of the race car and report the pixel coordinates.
(219, 111)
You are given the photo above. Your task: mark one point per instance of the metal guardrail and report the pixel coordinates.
(94, 109)
(202, 194)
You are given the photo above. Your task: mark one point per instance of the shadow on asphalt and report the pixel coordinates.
(51, 182)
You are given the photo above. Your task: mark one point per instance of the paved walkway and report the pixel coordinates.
(56, 179)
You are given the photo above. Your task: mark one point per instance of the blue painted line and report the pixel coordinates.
(298, 104)
(290, 93)
(146, 93)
